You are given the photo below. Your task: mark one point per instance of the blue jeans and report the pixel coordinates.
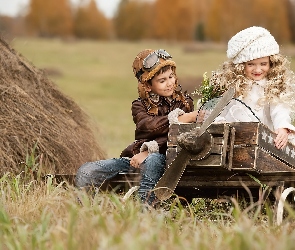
(95, 173)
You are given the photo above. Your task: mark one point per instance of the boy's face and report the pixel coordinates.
(163, 84)
(257, 69)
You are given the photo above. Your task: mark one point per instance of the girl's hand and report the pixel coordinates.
(137, 159)
(282, 138)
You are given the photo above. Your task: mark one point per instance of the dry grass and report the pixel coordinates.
(41, 215)
(35, 114)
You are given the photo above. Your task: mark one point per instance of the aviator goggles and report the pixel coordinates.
(153, 59)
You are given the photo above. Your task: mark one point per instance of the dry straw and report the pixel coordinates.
(34, 112)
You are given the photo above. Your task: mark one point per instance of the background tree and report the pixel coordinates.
(178, 20)
(274, 17)
(201, 7)
(50, 18)
(133, 20)
(291, 18)
(89, 22)
(174, 21)
(212, 27)
(227, 17)
(291, 12)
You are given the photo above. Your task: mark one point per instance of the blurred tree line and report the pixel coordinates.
(177, 20)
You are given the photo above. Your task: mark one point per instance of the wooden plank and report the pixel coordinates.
(243, 157)
(172, 135)
(170, 155)
(218, 140)
(266, 140)
(225, 143)
(246, 132)
(266, 163)
(211, 160)
(213, 184)
(231, 148)
(186, 127)
(213, 174)
(258, 159)
(217, 149)
(217, 128)
(176, 129)
(224, 175)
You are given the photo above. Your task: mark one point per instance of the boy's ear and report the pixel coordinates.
(148, 87)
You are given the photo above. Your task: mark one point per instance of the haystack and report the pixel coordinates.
(35, 114)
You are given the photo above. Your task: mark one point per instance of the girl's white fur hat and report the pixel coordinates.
(251, 43)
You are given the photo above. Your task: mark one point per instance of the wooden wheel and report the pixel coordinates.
(280, 208)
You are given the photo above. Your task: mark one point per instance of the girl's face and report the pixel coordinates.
(163, 84)
(257, 69)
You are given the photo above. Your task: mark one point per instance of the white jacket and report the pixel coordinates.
(273, 115)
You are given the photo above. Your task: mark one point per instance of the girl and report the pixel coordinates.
(262, 79)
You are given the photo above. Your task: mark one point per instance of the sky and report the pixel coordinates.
(13, 7)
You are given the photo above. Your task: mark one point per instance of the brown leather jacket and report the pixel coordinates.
(153, 127)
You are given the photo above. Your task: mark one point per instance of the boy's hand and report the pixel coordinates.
(188, 117)
(282, 138)
(137, 159)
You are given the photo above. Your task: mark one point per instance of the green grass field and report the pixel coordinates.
(41, 215)
(98, 76)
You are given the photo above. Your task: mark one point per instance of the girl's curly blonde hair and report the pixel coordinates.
(280, 84)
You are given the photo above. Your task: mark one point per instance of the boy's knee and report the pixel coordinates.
(85, 169)
(156, 158)
(84, 175)
(154, 166)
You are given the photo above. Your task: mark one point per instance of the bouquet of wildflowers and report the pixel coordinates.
(208, 90)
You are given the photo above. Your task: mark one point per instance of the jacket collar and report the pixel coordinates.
(155, 98)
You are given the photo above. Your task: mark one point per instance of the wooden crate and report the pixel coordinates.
(238, 146)
(254, 148)
(240, 154)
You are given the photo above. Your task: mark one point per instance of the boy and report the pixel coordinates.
(160, 103)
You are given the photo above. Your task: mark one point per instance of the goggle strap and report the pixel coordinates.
(139, 74)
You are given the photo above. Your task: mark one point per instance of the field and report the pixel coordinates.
(98, 76)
